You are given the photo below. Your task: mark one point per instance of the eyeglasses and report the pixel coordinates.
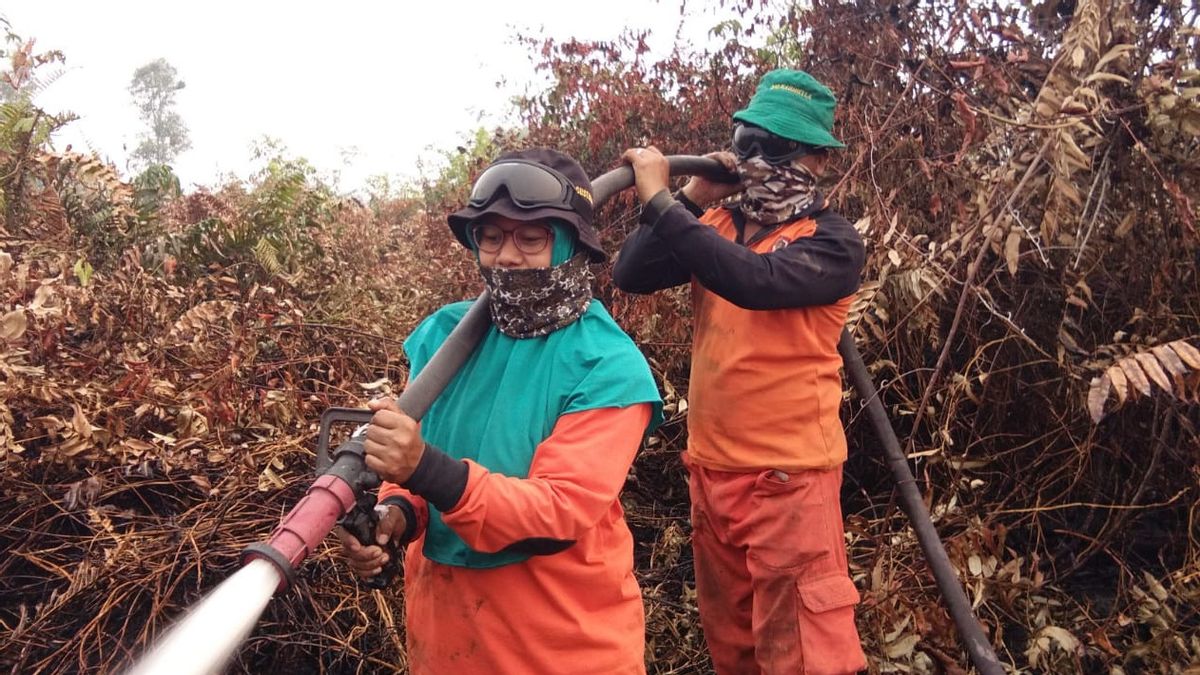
(530, 239)
(529, 185)
(749, 141)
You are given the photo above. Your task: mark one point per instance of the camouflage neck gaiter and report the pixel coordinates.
(533, 302)
(775, 194)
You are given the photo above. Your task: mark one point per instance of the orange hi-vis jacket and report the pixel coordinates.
(765, 389)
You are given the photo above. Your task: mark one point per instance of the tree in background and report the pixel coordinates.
(153, 89)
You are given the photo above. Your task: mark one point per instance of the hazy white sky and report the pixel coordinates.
(359, 87)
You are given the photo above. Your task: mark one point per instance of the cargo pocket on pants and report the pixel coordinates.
(829, 641)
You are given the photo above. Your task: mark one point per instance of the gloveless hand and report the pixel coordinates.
(394, 445)
(650, 169)
(703, 191)
(368, 560)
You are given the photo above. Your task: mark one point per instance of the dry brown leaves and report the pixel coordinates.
(154, 421)
(155, 414)
(1173, 368)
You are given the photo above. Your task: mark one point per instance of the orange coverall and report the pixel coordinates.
(765, 441)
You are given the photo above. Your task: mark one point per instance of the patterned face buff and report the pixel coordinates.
(775, 193)
(534, 302)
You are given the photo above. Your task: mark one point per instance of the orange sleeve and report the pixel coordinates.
(419, 508)
(576, 475)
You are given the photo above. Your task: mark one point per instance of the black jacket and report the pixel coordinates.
(671, 245)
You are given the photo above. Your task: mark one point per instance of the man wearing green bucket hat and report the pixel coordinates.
(772, 273)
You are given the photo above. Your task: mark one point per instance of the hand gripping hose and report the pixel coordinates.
(343, 491)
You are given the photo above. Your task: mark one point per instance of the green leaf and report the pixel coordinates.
(83, 271)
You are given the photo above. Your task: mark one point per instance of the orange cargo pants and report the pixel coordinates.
(772, 582)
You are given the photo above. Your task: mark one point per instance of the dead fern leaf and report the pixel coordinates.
(1012, 250)
(1187, 352)
(1138, 374)
(862, 303)
(196, 319)
(1136, 377)
(1120, 384)
(1097, 396)
(1170, 360)
(1149, 363)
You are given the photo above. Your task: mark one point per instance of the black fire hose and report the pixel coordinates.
(948, 583)
(445, 363)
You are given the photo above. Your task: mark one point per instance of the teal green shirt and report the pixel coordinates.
(510, 393)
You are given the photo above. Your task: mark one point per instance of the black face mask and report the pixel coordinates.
(534, 302)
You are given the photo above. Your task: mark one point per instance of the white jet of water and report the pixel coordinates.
(212, 631)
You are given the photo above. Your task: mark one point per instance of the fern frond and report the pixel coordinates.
(197, 319)
(1171, 368)
(268, 257)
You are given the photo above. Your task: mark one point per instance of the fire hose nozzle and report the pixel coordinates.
(342, 485)
(303, 528)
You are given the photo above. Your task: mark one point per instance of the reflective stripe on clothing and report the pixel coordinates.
(771, 573)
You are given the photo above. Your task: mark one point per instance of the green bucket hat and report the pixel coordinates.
(792, 104)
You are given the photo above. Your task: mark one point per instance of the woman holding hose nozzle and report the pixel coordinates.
(506, 494)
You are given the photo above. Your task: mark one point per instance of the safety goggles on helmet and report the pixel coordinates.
(750, 141)
(529, 185)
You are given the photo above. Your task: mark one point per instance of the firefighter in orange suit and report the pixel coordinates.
(772, 274)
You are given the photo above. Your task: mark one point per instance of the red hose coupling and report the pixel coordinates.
(327, 500)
